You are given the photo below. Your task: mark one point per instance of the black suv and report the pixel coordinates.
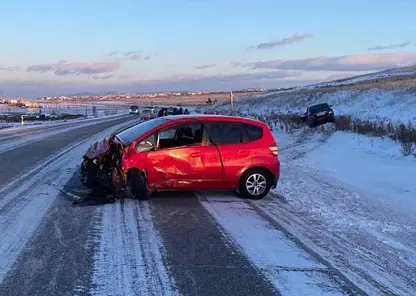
(319, 114)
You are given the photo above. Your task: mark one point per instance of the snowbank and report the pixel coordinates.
(395, 105)
(352, 199)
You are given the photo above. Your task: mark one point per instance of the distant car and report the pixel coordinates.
(147, 114)
(319, 114)
(171, 111)
(134, 110)
(186, 152)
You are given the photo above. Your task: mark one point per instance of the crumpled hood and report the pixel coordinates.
(98, 148)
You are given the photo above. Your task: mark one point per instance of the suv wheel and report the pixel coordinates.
(136, 185)
(254, 184)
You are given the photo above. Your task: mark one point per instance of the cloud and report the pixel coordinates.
(133, 55)
(363, 62)
(102, 77)
(9, 69)
(391, 46)
(65, 68)
(285, 41)
(205, 66)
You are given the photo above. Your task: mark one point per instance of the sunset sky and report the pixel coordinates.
(61, 47)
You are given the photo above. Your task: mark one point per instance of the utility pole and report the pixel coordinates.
(232, 102)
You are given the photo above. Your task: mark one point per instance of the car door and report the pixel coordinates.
(183, 160)
(235, 153)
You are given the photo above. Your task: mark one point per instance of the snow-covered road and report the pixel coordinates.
(319, 233)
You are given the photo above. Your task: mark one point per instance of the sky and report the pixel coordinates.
(52, 47)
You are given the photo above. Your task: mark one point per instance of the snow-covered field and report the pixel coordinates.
(395, 105)
(391, 73)
(352, 199)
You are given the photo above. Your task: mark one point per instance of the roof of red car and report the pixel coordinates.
(211, 117)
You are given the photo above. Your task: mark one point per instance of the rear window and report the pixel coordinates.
(254, 132)
(318, 108)
(225, 133)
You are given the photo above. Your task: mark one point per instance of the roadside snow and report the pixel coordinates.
(351, 199)
(291, 270)
(26, 201)
(373, 165)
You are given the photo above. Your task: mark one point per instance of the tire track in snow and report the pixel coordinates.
(22, 210)
(292, 267)
(129, 259)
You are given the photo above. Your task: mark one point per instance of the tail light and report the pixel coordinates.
(274, 149)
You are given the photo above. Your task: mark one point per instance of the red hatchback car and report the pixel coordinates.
(186, 152)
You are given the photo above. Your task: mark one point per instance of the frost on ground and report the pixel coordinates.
(129, 258)
(290, 269)
(352, 198)
(25, 202)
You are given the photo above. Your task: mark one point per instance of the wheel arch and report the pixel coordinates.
(256, 167)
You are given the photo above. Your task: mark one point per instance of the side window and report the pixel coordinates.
(182, 135)
(254, 132)
(225, 133)
(146, 144)
(167, 134)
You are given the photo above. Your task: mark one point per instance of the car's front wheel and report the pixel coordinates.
(137, 185)
(255, 184)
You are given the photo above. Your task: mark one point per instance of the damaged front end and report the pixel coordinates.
(101, 169)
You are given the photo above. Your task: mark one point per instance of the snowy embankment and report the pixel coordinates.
(352, 199)
(398, 73)
(381, 105)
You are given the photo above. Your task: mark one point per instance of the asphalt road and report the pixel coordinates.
(170, 245)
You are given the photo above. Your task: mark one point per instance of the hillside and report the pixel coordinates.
(383, 96)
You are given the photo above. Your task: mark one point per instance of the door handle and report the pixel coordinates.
(195, 154)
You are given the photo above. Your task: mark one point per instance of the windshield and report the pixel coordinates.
(147, 111)
(129, 135)
(134, 108)
(318, 108)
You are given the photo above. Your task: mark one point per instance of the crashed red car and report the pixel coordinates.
(185, 152)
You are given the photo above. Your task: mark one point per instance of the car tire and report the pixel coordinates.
(86, 174)
(137, 185)
(250, 185)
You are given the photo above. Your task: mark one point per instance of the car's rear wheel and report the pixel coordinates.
(255, 184)
(137, 185)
